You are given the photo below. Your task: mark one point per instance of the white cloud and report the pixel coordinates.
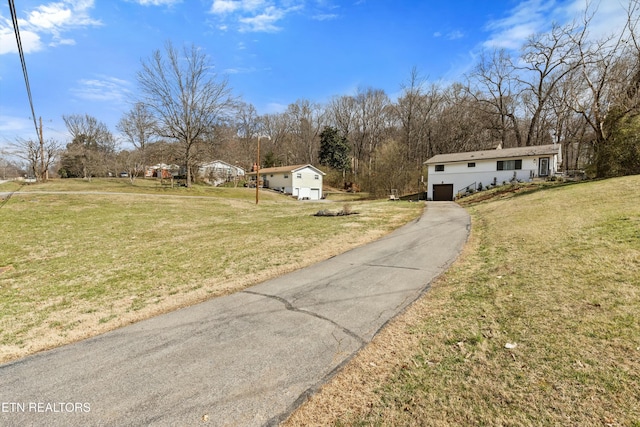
(103, 89)
(68, 42)
(222, 7)
(8, 44)
(48, 17)
(254, 15)
(609, 17)
(13, 128)
(325, 16)
(536, 16)
(157, 2)
(264, 22)
(451, 35)
(526, 19)
(240, 70)
(276, 107)
(61, 16)
(9, 124)
(225, 6)
(48, 21)
(455, 35)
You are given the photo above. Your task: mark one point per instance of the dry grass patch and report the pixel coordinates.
(536, 324)
(83, 264)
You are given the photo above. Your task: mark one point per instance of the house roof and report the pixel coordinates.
(289, 169)
(204, 165)
(538, 150)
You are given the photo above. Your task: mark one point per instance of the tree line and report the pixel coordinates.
(564, 86)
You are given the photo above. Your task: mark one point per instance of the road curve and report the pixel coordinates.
(246, 359)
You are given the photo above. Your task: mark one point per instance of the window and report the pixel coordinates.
(471, 165)
(439, 168)
(286, 176)
(298, 175)
(316, 176)
(509, 165)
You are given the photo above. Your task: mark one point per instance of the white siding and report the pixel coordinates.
(304, 183)
(307, 179)
(278, 181)
(485, 172)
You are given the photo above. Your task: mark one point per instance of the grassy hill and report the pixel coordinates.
(79, 258)
(538, 323)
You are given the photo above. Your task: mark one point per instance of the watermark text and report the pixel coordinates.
(45, 407)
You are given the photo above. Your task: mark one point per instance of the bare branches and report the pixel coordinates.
(138, 125)
(185, 95)
(30, 151)
(496, 90)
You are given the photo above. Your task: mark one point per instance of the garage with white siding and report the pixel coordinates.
(303, 182)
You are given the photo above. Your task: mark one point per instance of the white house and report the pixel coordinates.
(301, 181)
(451, 174)
(219, 172)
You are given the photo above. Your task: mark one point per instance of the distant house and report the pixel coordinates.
(162, 170)
(453, 174)
(218, 172)
(301, 181)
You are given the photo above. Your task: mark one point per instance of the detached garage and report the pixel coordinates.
(301, 181)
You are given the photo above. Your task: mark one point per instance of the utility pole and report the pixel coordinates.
(258, 166)
(258, 172)
(43, 175)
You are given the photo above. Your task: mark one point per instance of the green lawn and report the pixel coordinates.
(538, 323)
(75, 261)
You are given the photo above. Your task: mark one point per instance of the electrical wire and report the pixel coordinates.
(14, 18)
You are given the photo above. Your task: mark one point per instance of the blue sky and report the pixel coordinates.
(82, 56)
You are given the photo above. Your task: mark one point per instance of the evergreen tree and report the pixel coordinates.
(334, 149)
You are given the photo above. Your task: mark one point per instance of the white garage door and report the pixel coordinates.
(304, 193)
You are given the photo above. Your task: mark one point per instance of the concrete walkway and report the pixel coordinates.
(247, 359)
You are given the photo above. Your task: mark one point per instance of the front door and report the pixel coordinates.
(543, 166)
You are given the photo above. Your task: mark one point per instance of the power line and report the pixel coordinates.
(14, 18)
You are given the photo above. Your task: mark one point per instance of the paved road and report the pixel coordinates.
(247, 359)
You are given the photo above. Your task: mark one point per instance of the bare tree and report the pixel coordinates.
(417, 112)
(495, 89)
(458, 124)
(248, 126)
(92, 148)
(37, 157)
(548, 58)
(370, 110)
(280, 142)
(139, 127)
(392, 172)
(306, 120)
(185, 95)
(9, 168)
(606, 86)
(341, 113)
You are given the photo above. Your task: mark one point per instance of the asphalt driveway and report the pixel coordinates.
(246, 359)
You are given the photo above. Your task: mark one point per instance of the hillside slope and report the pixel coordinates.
(536, 324)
